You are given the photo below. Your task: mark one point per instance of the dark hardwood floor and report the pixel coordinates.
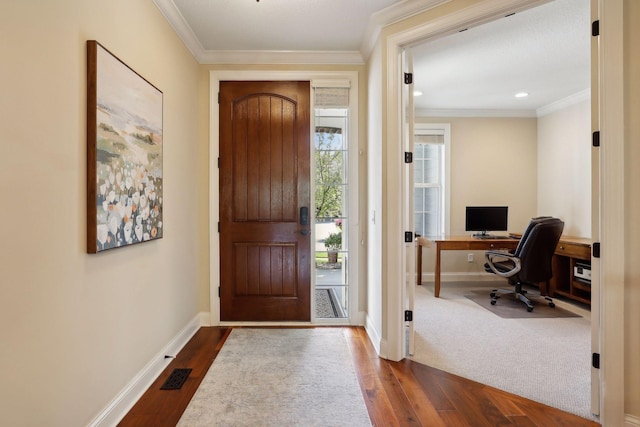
(402, 393)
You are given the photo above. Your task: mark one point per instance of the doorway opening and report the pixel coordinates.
(439, 118)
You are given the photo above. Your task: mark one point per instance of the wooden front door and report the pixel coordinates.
(264, 201)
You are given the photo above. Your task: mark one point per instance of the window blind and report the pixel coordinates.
(428, 139)
(331, 93)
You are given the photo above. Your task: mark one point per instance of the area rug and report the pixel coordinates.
(546, 360)
(280, 377)
(509, 307)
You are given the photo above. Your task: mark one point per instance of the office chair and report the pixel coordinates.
(530, 263)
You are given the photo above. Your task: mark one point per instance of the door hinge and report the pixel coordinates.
(595, 138)
(408, 157)
(408, 236)
(218, 291)
(595, 28)
(595, 360)
(408, 316)
(596, 249)
(218, 226)
(218, 97)
(218, 162)
(408, 78)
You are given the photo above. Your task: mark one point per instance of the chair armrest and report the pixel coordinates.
(493, 257)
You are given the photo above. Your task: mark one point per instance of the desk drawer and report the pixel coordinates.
(479, 245)
(573, 250)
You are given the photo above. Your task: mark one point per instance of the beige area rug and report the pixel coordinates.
(509, 307)
(280, 377)
(543, 359)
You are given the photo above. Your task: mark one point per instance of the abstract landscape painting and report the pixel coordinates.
(124, 154)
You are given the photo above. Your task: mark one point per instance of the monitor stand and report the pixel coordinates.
(482, 235)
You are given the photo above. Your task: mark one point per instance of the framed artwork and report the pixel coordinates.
(124, 154)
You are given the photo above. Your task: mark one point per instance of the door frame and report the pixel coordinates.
(610, 309)
(356, 317)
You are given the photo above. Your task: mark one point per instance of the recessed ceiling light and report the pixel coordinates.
(417, 93)
(521, 95)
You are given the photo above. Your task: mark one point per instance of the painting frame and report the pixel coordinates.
(124, 154)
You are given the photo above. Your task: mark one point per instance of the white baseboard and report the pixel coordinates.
(373, 334)
(129, 395)
(631, 421)
(205, 318)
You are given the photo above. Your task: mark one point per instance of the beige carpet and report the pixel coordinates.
(509, 307)
(280, 377)
(543, 359)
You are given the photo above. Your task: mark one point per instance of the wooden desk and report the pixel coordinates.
(569, 251)
(459, 243)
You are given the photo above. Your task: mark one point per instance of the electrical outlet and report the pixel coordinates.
(470, 257)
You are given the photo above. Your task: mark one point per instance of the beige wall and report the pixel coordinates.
(632, 207)
(564, 167)
(493, 162)
(76, 328)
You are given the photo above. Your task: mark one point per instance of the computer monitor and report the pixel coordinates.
(486, 218)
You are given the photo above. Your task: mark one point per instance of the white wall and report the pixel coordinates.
(374, 197)
(76, 328)
(564, 167)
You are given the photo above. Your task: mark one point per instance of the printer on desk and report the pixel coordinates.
(582, 272)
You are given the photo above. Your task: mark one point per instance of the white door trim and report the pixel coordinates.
(611, 211)
(215, 77)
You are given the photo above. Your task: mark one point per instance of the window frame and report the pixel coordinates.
(443, 129)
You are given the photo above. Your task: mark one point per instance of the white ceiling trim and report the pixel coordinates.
(561, 104)
(179, 24)
(428, 112)
(377, 21)
(389, 15)
(278, 57)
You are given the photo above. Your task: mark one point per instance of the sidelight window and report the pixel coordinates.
(331, 195)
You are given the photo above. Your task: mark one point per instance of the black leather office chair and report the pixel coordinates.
(530, 263)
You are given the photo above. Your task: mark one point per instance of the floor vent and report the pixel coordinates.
(176, 379)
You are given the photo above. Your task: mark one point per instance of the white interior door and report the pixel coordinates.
(408, 196)
(595, 217)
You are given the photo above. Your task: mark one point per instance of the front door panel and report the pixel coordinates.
(264, 183)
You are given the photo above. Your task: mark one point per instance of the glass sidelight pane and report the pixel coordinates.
(332, 216)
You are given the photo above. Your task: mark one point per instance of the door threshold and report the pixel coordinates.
(268, 324)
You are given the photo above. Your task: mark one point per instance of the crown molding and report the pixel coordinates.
(558, 105)
(179, 24)
(390, 15)
(377, 21)
(279, 57)
(561, 104)
(428, 112)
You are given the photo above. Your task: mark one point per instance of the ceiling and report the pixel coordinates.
(543, 51)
